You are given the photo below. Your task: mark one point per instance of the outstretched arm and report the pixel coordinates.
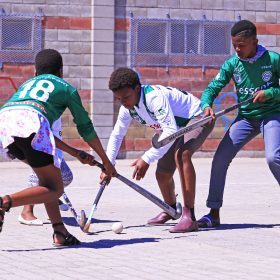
(95, 144)
(82, 156)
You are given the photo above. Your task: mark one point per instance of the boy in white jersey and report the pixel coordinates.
(166, 109)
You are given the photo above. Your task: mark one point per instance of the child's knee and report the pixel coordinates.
(163, 177)
(183, 156)
(59, 192)
(53, 187)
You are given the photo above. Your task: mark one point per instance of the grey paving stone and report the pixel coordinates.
(246, 246)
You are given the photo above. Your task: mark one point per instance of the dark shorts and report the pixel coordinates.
(191, 141)
(21, 149)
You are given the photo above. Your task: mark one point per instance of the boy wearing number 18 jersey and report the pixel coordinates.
(25, 133)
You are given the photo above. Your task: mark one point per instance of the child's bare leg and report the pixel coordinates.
(188, 180)
(187, 177)
(27, 216)
(61, 235)
(53, 212)
(50, 189)
(167, 187)
(27, 213)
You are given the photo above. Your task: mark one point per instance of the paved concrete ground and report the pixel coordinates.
(246, 246)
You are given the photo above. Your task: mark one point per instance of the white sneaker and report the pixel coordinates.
(36, 222)
(63, 206)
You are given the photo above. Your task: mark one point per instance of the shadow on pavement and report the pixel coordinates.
(100, 244)
(70, 221)
(240, 226)
(109, 243)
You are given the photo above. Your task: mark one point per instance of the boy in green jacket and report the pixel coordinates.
(255, 71)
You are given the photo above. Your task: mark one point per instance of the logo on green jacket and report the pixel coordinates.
(266, 76)
(237, 78)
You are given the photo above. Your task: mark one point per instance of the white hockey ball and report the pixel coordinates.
(117, 227)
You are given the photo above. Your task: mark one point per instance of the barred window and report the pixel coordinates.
(217, 39)
(20, 37)
(176, 42)
(177, 35)
(20, 40)
(147, 34)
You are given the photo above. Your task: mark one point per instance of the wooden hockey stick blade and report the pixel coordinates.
(86, 228)
(158, 144)
(83, 219)
(80, 219)
(88, 221)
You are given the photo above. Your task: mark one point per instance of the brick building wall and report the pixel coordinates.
(93, 37)
(266, 15)
(68, 27)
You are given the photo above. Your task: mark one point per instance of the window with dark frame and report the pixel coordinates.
(177, 33)
(176, 42)
(217, 40)
(148, 37)
(20, 37)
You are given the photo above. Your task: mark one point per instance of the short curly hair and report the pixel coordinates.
(244, 28)
(123, 77)
(48, 61)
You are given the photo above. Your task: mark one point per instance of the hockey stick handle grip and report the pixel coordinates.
(158, 144)
(98, 164)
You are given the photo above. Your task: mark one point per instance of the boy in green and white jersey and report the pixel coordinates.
(255, 71)
(25, 133)
(164, 109)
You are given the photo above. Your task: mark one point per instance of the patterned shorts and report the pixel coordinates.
(66, 173)
(22, 122)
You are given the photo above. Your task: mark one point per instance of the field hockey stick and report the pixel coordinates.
(174, 213)
(81, 220)
(158, 144)
(94, 206)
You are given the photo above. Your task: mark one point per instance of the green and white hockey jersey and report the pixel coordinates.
(249, 77)
(161, 108)
(54, 95)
